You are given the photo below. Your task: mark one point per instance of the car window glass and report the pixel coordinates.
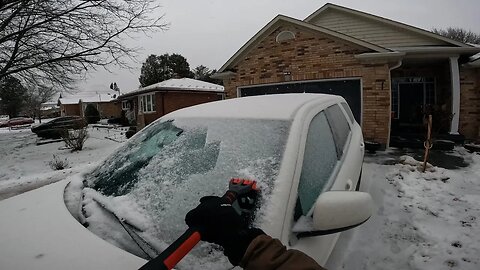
(319, 162)
(349, 112)
(340, 127)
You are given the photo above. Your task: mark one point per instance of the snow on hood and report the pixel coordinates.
(42, 234)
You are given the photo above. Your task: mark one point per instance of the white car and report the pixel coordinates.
(305, 150)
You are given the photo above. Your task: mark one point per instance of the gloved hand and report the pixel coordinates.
(219, 223)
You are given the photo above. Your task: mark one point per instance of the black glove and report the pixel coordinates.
(219, 223)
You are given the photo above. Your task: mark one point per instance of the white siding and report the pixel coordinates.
(372, 31)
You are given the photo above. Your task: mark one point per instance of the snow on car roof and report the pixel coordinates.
(281, 106)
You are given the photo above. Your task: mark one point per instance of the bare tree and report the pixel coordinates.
(47, 42)
(458, 34)
(36, 95)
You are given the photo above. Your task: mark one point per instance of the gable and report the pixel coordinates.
(281, 20)
(376, 30)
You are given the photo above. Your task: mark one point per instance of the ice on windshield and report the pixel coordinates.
(167, 168)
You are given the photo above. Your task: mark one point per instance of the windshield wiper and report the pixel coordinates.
(149, 251)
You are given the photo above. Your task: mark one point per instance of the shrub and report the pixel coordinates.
(91, 114)
(58, 164)
(75, 138)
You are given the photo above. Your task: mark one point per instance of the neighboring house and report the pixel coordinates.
(106, 104)
(50, 110)
(390, 73)
(146, 104)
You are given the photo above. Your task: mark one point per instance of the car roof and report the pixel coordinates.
(279, 106)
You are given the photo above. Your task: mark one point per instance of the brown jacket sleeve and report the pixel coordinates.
(265, 252)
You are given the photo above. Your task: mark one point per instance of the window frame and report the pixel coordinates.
(125, 105)
(332, 128)
(147, 103)
(334, 171)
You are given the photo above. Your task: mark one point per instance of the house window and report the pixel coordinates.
(147, 103)
(284, 36)
(125, 105)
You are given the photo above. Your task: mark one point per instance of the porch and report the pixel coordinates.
(423, 86)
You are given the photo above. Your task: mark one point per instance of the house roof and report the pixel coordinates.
(279, 19)
(184, 84)
(329, 6)
(96, 98)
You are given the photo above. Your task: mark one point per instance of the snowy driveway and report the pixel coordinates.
(422, 220)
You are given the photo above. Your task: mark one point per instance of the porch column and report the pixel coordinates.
(455, 78)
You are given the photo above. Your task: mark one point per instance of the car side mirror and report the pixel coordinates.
(337, 211)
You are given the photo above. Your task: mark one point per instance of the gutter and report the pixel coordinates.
(223, 75)
(382, 55)
(430, 49)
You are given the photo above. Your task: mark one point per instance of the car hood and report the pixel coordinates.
(38, 232)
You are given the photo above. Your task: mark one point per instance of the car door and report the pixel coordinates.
(327, 144)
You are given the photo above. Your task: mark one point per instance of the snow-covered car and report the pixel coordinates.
(4, 117)
(17, 121)
(305, 151)
(54, 128)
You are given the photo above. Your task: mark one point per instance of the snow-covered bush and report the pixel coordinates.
(75, 138)
(58, 164)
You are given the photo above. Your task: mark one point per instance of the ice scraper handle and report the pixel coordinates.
(175, 252)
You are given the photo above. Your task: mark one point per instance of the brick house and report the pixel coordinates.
(106, 104)
(391, 74)
(149, 103)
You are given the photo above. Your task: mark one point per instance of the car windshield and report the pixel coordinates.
(162, 172)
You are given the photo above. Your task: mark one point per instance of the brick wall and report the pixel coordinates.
(110, 109)
(314, 56)
(470, 103)
(176, 100)
(70, 109)
(166, 102)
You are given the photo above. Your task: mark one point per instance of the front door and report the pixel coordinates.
(411, 104)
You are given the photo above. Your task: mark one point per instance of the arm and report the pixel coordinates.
(265, 252)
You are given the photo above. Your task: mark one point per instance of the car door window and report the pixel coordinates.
(340, 127)
(349, 112)
(319, 162)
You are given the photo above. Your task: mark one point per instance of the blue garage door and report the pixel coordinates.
(350, 90)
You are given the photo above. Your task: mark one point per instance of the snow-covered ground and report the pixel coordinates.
(421, 220)
(24, 165)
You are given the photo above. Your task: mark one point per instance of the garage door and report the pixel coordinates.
(348, 89)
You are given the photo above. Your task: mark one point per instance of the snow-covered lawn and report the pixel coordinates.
(422, 220)
(24, 164)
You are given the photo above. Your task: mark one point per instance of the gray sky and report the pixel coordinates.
(209, 32)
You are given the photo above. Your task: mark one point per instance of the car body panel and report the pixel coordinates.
(38, 232)
(17, 121)
(55, 127)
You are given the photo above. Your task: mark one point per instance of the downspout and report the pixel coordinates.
(397, 65)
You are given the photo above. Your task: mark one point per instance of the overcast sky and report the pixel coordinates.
(209, 32)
